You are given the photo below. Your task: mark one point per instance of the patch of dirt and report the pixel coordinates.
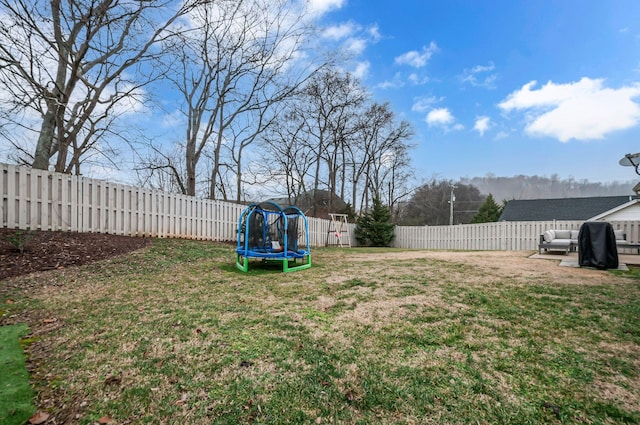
(503, 263)
(58, 250)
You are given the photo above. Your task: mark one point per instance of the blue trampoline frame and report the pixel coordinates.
(270, 242)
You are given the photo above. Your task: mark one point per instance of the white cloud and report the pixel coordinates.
(395, 83)
(374, 32)
(399, 80)
(439, 117)
(417, 59)
(482, 124)
(362, 70)
(355, 46)
(418, 80)
(338, 32)
(423, 104)
(581, 110)
(132, 103)
(320, 7)
(351, 38)
(501, 135)
(173, 119)
(480, 76)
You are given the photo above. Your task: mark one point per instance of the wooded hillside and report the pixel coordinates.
(542, 187)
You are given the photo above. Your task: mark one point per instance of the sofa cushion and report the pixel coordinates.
(574, 235)
(563, 234)
(619, 234)
(549, 235)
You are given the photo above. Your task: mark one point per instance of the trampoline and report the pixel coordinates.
(269, 232)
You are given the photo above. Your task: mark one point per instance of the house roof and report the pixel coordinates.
(306, 200)
(561, 208)
(615, 210)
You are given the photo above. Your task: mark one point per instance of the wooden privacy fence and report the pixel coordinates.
(43, 200)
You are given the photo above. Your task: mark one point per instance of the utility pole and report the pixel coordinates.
(453, 198)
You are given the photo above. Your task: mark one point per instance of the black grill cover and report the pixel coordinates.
(597, 245)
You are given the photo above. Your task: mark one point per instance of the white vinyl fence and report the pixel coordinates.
(502, 236)
(43, 200)
(53, 201)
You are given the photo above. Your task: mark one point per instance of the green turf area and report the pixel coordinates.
(16, 397)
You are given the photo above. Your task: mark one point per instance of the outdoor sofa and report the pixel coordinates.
(567, 240)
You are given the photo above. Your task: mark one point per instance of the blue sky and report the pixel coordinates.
(508, 87)
(502, 86)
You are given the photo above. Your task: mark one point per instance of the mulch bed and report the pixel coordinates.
(44, 250)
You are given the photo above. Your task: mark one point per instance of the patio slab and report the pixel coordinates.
(571, 259)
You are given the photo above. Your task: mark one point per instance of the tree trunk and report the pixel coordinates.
(191, 175)
(316, 181)
(63, 149)
(45, 141)
(239, 176)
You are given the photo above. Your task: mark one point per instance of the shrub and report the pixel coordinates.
(19, 239)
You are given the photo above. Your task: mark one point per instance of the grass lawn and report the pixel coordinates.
(16, 396)
(175, 334)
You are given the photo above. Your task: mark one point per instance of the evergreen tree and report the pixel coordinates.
(373, 228)
(489, 211)
(351, 214)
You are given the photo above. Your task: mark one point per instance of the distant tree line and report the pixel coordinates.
(541, 187)
(430, 204)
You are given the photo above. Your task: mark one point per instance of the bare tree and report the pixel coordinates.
(330, 106)
(398, 178)
(77, 64)
(160, 169)
(384, 145)
(333, 136)
(236, 66)
(287, 157)
(377, 163)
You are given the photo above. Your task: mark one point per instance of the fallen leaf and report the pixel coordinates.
(105, 420)
(324, 383)
(39, 418)
(182, 400)
(10, 301)
(52, 320)
(555, 409)
(113, 380)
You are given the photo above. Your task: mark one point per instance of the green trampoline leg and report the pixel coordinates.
(286, 268)
(244, 266)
